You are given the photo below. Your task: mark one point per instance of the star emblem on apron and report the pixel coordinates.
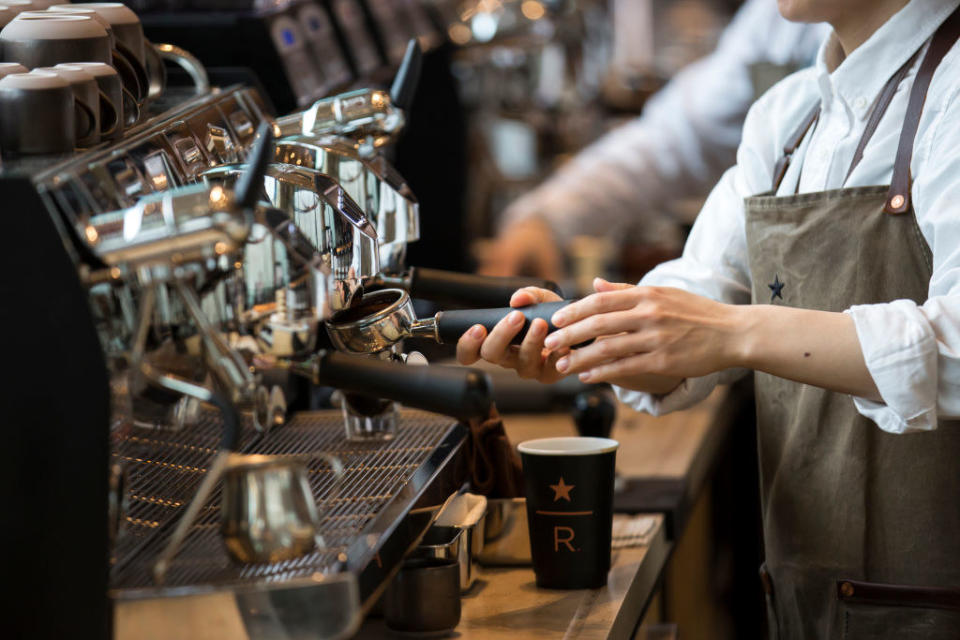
(776, 288)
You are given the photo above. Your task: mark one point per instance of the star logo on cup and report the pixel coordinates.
(561, 490)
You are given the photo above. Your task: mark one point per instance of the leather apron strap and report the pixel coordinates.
(792, 144)
(898, 199)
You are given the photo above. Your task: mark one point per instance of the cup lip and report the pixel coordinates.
(41, 25)
(428, 564)
(26, 5)
(113, 12)
(79, 11)
(34, 80)
(397, 298)
(576, 446)
(96, 69)
(70, 73)
(255, 461)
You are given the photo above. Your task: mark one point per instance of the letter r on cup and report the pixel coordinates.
(557, 540)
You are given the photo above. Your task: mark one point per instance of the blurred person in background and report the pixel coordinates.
(685, 138)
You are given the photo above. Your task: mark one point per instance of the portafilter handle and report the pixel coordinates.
(449, 326)
(461, 289)
(459, 392)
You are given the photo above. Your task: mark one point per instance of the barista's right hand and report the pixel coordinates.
(527, 246)
(530, 359)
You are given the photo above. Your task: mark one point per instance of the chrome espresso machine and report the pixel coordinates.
(174, 285)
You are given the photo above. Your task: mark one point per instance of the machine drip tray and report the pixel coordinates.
(388, 498)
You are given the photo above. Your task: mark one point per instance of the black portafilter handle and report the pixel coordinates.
(468, 289)
(408, 76)
(458, 392)
(453, 324)
(250, 184)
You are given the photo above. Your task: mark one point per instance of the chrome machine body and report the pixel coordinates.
(194, 290)
(187, 290)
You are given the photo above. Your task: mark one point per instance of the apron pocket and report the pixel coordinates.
(879, 611)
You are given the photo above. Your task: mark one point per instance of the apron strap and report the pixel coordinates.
(886, 96)
(898, 198)
(793, 142)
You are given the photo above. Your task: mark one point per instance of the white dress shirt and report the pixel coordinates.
(681, 144)
(912, 351)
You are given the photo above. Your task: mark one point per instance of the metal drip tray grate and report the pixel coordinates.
(165, 468)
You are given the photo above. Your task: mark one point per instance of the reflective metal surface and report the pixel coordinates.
(187, 291)
(268, 512)
(323, 212)
(190, 225)
(267, 507)
(366, 116)
(383, 319)
(372, 182)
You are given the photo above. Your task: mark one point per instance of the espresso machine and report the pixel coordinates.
(152, 437)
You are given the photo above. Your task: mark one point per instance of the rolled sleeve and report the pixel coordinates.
(900, 350)
(688, 393)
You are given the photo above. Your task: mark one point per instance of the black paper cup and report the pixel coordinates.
(568, 483)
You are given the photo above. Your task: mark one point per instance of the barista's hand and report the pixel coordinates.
(529, 359)
(526, 245)
(649, 338)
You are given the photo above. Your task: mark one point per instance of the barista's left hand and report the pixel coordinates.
(646, 333)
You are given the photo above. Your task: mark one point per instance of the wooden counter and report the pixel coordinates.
(506, 603)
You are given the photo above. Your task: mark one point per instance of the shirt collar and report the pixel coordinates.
(860, 77)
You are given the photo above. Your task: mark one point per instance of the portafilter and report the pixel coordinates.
(383, 318)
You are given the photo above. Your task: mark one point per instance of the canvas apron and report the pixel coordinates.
(861, 527)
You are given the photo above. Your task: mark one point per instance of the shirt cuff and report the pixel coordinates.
(900, 351)
(688, 393)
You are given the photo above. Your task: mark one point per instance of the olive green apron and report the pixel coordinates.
(861, 527)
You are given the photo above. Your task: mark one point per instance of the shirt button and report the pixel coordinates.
(860, 103)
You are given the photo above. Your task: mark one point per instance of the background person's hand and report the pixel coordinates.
(526, 247)
(529, 359)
